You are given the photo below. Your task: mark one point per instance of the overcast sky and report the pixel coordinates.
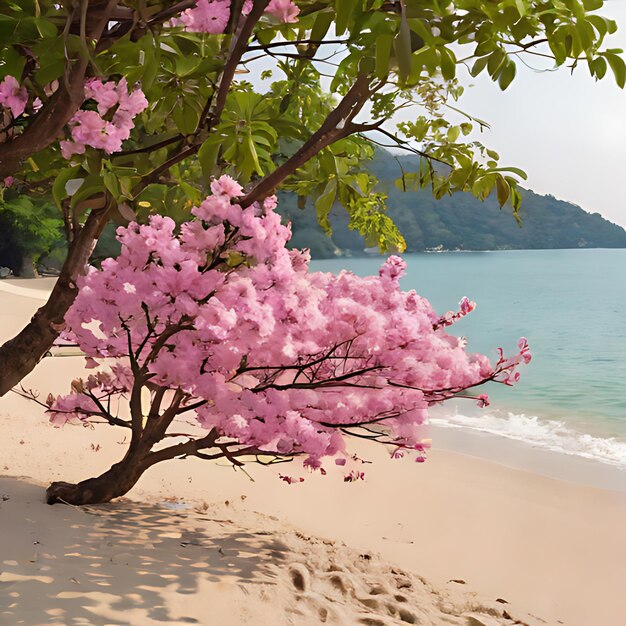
(568, 132)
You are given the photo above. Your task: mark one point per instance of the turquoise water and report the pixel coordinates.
(571, 305)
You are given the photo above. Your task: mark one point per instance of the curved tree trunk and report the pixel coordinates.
(114, 483)
(20, 355)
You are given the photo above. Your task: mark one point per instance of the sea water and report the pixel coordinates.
(570, 305)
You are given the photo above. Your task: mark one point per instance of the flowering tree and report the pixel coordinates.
(221, 322)
(119, 109)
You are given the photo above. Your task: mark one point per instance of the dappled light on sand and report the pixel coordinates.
(142, 564)
(126, 559)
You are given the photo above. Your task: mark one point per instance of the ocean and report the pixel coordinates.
(570, 305)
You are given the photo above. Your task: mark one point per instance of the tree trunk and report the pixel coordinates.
(20, 355)
(114, 483)
(28, 269)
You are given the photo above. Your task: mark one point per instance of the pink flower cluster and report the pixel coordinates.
(211, 16)
(447, 319)
(283, 10)
(12, 96)
(268, 353)
(507, 365)
(92, 128)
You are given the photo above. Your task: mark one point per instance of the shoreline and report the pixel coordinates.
(513, 452)
(525, 456)
(553, 547)
(550, 546)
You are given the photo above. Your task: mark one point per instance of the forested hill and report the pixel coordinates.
(459, 221)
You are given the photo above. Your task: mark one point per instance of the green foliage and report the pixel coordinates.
(410, 53)
(461, 222)
(33, 227)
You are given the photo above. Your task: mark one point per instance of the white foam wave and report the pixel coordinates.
(548, 434)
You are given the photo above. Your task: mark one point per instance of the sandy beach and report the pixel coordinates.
(457, 540)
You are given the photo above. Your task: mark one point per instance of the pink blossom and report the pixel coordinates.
(77, 406)
(8, 181)
(270, 203)
(466, 305)
(12, 96)
(448, 318)
(524, 350)
(393, 269)
(273, 356)
(483, 400)
(90, 128)
(69, 148)
(283, 10)
(211, 16)
(354, 476)
(208, 16)
(290, 480)
(105, 94)
(226, 186)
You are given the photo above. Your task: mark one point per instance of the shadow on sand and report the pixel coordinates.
(102, 564)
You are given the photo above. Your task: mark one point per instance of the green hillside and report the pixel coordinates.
(458, 222)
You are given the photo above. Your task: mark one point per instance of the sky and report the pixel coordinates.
(566, 131)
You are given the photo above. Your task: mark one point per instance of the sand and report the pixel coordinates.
(457, 540)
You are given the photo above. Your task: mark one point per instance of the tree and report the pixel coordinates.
(68, 65)
(221, 323)
(31, 229)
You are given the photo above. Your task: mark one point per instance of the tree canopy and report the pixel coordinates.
(221, 324)
(116, 110)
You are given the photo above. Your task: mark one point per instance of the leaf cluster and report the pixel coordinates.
(287, 82)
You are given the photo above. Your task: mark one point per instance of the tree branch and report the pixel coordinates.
(182, 449)
(58, 110)
(239, 46)
(337, 125)
(297, 42)
(20, 355)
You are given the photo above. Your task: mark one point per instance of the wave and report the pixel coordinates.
(542, 433)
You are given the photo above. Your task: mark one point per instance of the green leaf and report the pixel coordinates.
(448, 63)
(253, 156)
(479, 66)
(111, 183)
(186, 117)
(507, 75)
(93, 185)
(598, 67)
(495, 62)
(344, 12)
(12, 63)
(503, 191)
(322, 23)
(618, 66)
(515, 170)
(8, 26)
(521, 7)
(324, 204)
(59, 192)
(453, 134)
(402, 46)
(45, 27)
(384, 44)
